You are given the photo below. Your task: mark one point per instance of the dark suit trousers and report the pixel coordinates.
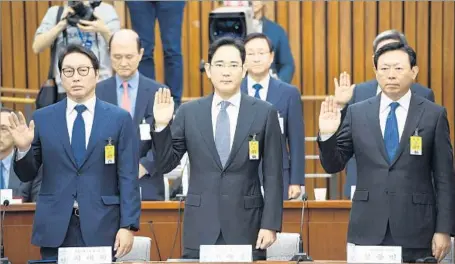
(194, 253)
(409, 255)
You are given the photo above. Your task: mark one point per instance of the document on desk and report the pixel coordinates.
(86, 255)
(226, 253)
(373, 254)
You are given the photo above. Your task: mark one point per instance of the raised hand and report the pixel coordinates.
(22, 134)
(343, 89)
(330, 116)
(163, 107)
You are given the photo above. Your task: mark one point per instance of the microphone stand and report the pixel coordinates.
(3, 260)
(302, 255)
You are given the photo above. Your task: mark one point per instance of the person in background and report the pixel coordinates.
(93, 35)
(347, 94)
(286, 99)
(283, 63)
(170, 18)
(27, 191)
(135, 93)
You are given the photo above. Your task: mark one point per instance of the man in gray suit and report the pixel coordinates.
(347, 94)
(226, 134)
(402, 145)
(28, 191)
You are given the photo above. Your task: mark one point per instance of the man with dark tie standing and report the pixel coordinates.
(88, 151)
(226, 134)
(405, 186)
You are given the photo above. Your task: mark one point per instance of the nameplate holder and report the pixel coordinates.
(86, 255)
(6, 194)
(373, 254)
(226, 253)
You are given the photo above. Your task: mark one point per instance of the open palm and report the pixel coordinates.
(343, 90)
(330, 117)
(21, 133)
(163, 107)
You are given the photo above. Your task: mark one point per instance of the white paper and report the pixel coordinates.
(226, 253)
(6, 194)
(86, 255)
(373, 254)
(352, 191)
(144, 130)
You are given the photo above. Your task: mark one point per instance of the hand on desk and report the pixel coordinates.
(294, 191)
(440, 245)
(265, 238)
(123, 242)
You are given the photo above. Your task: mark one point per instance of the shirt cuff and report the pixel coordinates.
(325, 136)
(159, 128)
(21, 154)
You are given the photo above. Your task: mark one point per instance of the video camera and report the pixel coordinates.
(82, 11)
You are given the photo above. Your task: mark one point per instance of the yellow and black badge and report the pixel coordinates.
(109, 152)
(254, 148)
(416, 144)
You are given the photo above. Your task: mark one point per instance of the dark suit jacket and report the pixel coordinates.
(283, 62)
(152, 184)
(286, 100)
(401, 193)
(225, 199)
(27, 190)
(364, 91)
(108, 195)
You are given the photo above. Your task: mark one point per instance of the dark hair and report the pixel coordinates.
(74, 48)
(227, 41)
(138, 40)
(389, 35)
(257, 35)
(6, 110)
(396, 46)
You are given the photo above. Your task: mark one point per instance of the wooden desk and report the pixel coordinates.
(324, 229)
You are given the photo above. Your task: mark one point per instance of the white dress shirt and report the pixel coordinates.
(263, 91)
(257, 25)
(232, 111)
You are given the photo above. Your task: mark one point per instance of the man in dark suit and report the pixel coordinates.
(286, 99)
(227, 134)
(126, 53)
(402, 145)
(347, 94)
(88, 151)
(27, 191)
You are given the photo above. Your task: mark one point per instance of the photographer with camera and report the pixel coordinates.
(88, 23)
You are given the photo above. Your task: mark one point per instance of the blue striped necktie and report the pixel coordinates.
(257, 87)
(391, 136)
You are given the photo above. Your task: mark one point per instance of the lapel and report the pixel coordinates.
(99, 121)
(244, 121)
(274, 93)
(206, 128)
(61, 128)
(374, 124)
(412, 120)
(110, 93)
(141, 101)
(244, 85)
(13, 182)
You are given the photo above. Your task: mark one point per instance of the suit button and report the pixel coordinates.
(78, 173)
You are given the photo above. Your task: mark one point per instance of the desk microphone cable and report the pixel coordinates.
(154, 238)
(181, 199)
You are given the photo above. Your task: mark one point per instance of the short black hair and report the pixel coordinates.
(257, 35)
(227, 41)
(396, 46)
(6, 110)
(138, 40)
(75, 48)
(389, 35)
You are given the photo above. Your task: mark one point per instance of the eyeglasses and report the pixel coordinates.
(82, 71)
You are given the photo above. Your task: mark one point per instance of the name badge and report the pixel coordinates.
(144, 130)
(416, 144)
(109, 153)
(254, 148)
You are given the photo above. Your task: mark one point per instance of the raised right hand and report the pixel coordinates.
(330, 117)
(21, 133)
(163, 107)
(343, 90)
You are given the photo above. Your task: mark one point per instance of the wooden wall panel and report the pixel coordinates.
(326, 38)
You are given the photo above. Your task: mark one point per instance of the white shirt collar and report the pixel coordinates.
(264, 82)
(234, 100)
(90, 104)
(404, 101)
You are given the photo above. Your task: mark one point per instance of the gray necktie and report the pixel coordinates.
(222, 133)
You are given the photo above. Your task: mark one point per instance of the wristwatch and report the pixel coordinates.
(131, 228)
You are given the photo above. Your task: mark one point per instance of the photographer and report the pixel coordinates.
(93, 32)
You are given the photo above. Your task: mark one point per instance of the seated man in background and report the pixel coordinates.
(135, 93)
(28, 191)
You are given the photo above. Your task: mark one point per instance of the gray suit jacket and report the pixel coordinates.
(226, 199)
(401, 193)
(27, 190)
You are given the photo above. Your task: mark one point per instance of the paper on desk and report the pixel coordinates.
(373, 254)
(85, 255)
(226, 253)
(285, 247)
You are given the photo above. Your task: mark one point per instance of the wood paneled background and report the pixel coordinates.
(326, 38)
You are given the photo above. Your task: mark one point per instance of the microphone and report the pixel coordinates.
(3, 260)
(302, 256)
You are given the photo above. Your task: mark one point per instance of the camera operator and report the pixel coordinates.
(93, 32)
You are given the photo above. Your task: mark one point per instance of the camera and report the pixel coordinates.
(81, 11)
(225, 21)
